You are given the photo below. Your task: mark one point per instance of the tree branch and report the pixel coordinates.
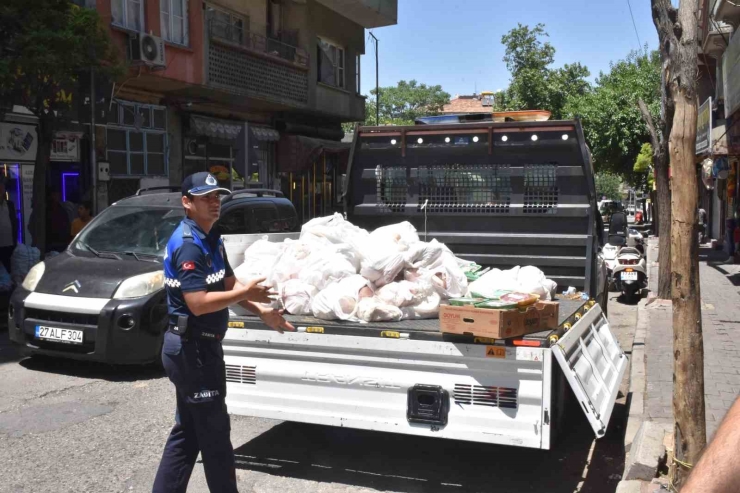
(654, 136)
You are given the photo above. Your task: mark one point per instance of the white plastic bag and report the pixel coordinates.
(383, 269)
(374, 310)
(494, 280)
(423, 255)
(259, 259)
(336, 229)
(532, 280)
(427, 308)
(400, 236)
(297, 296)
(289, 263)
(339, 300)
(324, 267)
(403, 293)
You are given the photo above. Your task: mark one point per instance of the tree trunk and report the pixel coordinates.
(662, 218)
(688, 346)
(37, 222)
(663, 189)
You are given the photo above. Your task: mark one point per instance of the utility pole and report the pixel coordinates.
(93, 154)
(377, 84)
(678, 32)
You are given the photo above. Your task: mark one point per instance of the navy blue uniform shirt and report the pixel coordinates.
(195, 261)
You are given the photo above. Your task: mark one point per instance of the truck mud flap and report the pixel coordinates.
(593, 363)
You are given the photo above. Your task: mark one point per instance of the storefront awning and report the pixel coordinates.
(214, 128)
(265, 134)
(229, 129)
(296, 153)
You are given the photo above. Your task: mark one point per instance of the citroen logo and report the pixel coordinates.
(73, 286)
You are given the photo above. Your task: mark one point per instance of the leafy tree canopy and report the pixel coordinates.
(402, 104)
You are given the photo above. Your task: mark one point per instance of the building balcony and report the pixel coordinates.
(251, 63)
(726, 11)
(367, 13)
(340, 103)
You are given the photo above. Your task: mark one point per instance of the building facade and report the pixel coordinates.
(718, 125)
(201, 72)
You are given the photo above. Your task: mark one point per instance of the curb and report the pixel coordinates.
(637, 386)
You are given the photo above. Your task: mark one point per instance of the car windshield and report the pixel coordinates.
(135, 230)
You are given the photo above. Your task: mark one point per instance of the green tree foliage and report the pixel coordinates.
(534, 83)
(402, 104)
(44, 47)
(644, 164)
(614, 128)
(608, 185)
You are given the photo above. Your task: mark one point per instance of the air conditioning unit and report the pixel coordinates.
(148, 49)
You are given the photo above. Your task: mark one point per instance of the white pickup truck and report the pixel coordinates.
(494, 195)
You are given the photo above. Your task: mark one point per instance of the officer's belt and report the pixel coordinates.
(196, 331)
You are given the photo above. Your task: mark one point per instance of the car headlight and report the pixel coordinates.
(141, 285)
(34, 276)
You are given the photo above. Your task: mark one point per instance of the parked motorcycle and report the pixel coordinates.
(630, 273)
(629, 268)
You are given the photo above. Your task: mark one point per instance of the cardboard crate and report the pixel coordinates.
(499, 324)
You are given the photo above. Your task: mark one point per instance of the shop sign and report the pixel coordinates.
(18, 142)
(704, 127)
(66, 146)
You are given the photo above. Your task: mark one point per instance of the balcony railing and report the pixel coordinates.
(282, 46)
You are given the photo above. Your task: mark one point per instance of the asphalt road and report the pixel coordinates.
(75, 427)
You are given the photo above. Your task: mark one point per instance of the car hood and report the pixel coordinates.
(96, 277)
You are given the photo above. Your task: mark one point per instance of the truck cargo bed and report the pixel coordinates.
(407, 329)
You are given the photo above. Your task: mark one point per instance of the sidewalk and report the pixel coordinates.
(720, 293)
(650, 422)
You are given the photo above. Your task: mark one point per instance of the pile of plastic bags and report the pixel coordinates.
(338, 271)
(520, 279)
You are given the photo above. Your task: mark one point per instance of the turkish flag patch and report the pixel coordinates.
(188, 265)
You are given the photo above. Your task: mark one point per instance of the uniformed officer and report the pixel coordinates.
(200, 286)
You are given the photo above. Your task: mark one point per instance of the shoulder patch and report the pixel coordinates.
(188, 265)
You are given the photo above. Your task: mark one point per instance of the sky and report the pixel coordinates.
(457, 43)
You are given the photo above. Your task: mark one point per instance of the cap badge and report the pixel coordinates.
(211, 180)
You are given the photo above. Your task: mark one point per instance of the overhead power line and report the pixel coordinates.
(639, 43)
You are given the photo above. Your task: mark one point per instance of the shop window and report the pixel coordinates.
(330, 59)
(128, 14)
(136, 139)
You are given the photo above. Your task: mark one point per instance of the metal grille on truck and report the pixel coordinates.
(391, 188)
(540, 189)
(241, 374)
(469, 189)
(479, 395)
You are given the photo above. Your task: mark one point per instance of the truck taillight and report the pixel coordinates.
(527, 343)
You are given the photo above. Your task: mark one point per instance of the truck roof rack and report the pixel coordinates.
(169, 188)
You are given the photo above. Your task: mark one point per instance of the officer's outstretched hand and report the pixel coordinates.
(257, 293)
(273, 318)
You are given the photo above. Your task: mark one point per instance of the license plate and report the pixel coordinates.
(68, 336)
(629, 276)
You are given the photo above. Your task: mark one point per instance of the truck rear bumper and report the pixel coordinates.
(353, 382)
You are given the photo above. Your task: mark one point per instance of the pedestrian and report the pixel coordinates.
(8, 227)
(84, 215)
(717, 470)
(200, 287)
